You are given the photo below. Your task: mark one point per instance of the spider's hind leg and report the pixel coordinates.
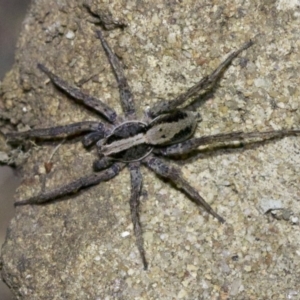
(204, 83)
(161, 168)
(136, 187)
(192, 144)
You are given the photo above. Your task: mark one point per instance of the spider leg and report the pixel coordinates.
(136, 186)
(89, 101)
(126, 96)
(204, 83)
(74, 186)
(192, 144)
(58, 131)
(161, 168)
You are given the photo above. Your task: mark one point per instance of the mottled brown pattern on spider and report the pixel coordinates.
(165, 130)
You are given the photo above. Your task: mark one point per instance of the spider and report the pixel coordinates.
(125, 141)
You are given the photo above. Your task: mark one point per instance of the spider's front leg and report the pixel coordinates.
(58, 131)
(136, 187)
(167, 106)
(161, 168)
(75, 186)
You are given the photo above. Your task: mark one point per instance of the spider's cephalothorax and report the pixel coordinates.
(166, 130)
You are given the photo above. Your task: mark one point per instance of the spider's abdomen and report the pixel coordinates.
(172, 128)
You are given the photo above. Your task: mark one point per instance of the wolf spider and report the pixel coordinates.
(165, 130)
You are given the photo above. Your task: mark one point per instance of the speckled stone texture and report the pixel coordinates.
(80, 248)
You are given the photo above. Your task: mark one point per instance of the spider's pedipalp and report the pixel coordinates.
(194, 143)
(94, 136)
(87, 100)
(204, 83)
(126, 96)
(136, 187)
(161, 168)
(102, 164)
(56, 132)
(75, 186)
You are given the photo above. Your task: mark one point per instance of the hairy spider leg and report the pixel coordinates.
(58, 131)
(74, 186)
(194, 143)
(136, 188)
(87, 100)
(204, 83)
(126, 96)
(161, 168)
